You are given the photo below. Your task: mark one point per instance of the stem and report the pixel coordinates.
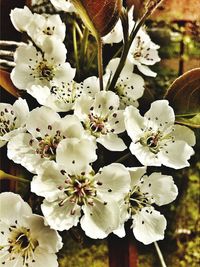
(84, 42)
(123, 158)
(6, 176)
(160, 255)
(75, 48)
(78, 29)
(100, 63)
(125, 51)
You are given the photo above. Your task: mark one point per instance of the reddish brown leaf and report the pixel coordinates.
(103, 14)
(184, 93)
(6, 83)
(138, 7)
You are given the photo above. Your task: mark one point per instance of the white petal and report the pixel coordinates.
(13, 208)
(144, 155)
(120, 232)
(105, 103)
(116, 122)
(176, 155)
(48, 239)
(112, 142)
(72, 127)
(63, 5)
(160, 113)
(113, 181)
(20, 18)
(43, 258)
(21, 110)
(75, 154)
(136, 173)
(54, 50)
(21, 152)
(99, 220)
(134, 122)
(146, 71)
(61, 217)
(82, 107)
(160, 187)
(40, 119)
(185, 134)
(115, 36)
(149, 226)
(47, 181)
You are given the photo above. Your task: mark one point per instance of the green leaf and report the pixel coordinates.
(184, 93)
(193, 122)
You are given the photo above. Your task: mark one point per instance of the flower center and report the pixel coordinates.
(79, 189)
(137, 200)
(152, 141)
(20, 243)
(43, 71)
(7, 121)
(46, 147)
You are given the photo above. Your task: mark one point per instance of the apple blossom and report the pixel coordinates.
(155, 138)
(25, 239)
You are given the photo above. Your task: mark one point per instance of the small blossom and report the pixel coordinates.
(70, 192)
(116, 34)
(46, 131)
(129, 86)
(62, 96)
(25, 239)
(35, 68)
(155, 138)
(148, 224)
(38, 27)
(12, 119)
(143, 52)
(63, 5)
(102, 119)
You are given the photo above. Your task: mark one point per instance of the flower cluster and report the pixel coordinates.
(65, 151)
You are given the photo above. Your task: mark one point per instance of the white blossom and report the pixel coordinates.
(116, 34)
(70, 192)
(129, 86)
(102, 118)
(25, 239)
(40, 69)
(143, 53)
(12, 119)
(155, 138)
(148, 224)
(47, 133)
(63, 5)
(38, 27)
(62, 96)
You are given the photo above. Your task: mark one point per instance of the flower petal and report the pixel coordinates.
(185, 134)
(112, 142)
(176, 155)
(113, 181)
(100, 220)
(19, 208)
(134, 122)
(160, 187)
(42, 233)
(160, 114)
(61, 217)
(47, 181)
(136, 174)
(75, 154)
(149, 226)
